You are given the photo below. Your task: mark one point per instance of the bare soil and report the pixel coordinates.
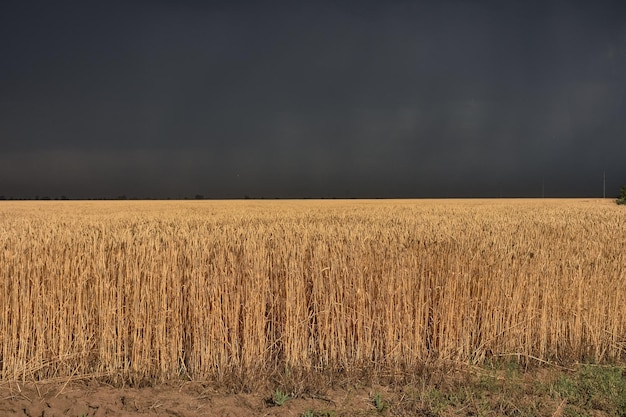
(182, 400)
(505, 390)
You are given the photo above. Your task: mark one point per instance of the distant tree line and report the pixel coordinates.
(195, 197)
(622, 197)
(119, 197)
(45, 197)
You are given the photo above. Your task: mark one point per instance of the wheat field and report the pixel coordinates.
(136, 290)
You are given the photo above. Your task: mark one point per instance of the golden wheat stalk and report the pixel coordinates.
(158, 290)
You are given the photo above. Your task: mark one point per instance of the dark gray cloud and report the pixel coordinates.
(318, 99)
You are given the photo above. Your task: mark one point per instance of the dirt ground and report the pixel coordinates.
(596, 391)
(87, 399)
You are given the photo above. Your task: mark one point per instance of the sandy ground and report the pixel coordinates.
(82, 399)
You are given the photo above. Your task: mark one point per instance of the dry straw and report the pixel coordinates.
(153, 290)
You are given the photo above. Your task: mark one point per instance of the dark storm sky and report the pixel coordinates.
(344, 99)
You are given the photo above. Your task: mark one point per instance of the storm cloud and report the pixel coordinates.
(321, 99)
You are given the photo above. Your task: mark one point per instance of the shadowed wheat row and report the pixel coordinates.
(157, 290)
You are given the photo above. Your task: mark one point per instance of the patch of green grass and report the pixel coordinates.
(379, 403)
(436, 400)
(279, 398)
(597, 388)
(501, 388)
(498, 389)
